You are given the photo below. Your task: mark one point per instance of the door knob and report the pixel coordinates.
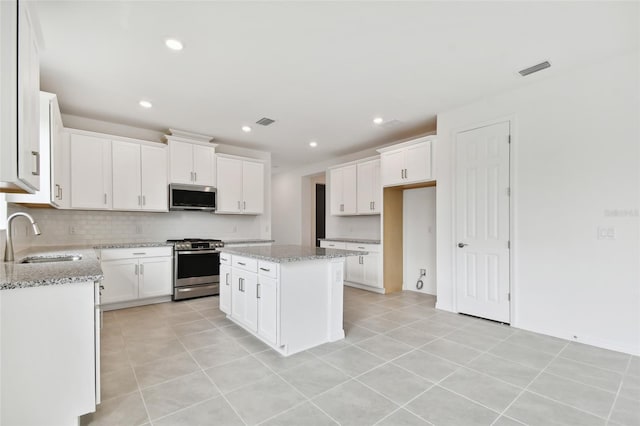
(461, 245)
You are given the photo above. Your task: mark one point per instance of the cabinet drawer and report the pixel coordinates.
(129, 253)
(245, 263)
(333, 244)
(225, 259)
(268, 269)
(372, 248)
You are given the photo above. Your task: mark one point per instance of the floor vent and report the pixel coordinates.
(264, 121)
(535, 68)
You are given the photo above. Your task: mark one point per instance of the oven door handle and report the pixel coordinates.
(198, 252)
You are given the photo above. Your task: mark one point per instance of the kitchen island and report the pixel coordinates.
(290, 297)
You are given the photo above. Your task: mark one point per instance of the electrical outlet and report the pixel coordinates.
(606, 233)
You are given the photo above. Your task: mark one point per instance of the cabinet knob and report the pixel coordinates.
(462, 245)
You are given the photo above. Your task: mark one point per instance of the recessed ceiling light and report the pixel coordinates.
(313, 144)
(246, 129)
(145, 104)
(378, 120)
(173, 44)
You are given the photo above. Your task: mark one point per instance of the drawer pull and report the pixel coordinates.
(242, 263)
(361, 248)
(265, 269)
(139, 254)
(224, 259)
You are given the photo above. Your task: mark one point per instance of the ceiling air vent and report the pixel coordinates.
(535, 68)
(264, 121)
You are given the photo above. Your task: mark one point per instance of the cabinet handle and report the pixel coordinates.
(139, 201)
(144, 200)
(195, 176)
(406, 174)
(373, 205)
(226, 279)
(258, 291)
(105, 198)
(242, 263)
(265, 269)
(361, 248)
(244, 205)
(139, 254)
(57, 191)
(136, 272)
(401, 173)
(360, 260)
(238, 205)
(191, 176)
(223, 259)
(141, 269)
(61, 193)
(341, 207)
(241, 284)
(37, 155)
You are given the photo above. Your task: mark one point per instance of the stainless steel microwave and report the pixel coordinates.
(192, 197)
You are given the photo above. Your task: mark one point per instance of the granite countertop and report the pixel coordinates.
(132, 245)
(253, 241)
(286, 253)
(352, 240)
(23, 275)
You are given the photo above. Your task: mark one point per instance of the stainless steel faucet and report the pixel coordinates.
(8, 252)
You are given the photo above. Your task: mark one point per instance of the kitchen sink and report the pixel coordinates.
(52, 258)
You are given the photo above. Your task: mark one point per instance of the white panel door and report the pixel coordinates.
(250, 287)
(155, 190)
(229, 190)
(90, 172)
(238, 296)
(392, 167)
(181, 162)
(376, 187)
(155, 277)
(268, 309)
(335, 191)
(365, 188)
(482, 222)
(126, 176)
(120, 280)
(417, 160)
(252, 187)
(371, 270)
(225, 289)
(203, 165)
(349, 189)
(355, 269)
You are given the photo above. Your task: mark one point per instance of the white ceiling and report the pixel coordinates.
(322, 70)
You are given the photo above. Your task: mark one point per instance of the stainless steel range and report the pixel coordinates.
(196, 271)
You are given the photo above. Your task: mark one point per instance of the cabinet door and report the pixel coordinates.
(155, 277)
(349, 189)
(418, 162)
(250, 286)
(268, 309)
(238, 296)
(335, 191)
(28, 101)
(203, 165)
(59, 157)
(252, 187)
(392, 167)
(225, 289)
(154, 178)
(120, 280)
(368, 187)
(181, 162)
(126, 176)
(90, 172)
(355, 271)
(371, 270)
(229, 179)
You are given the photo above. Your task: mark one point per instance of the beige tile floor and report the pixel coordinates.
(402, 363)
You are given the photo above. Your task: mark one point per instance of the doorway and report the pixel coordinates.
(320, 212)
(482, 222)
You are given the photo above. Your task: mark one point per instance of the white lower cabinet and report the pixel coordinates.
(364, 271)
(267, 308)
(225, 288)
(135, 274)
(244, 301)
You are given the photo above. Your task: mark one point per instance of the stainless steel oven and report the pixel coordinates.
(196, 268)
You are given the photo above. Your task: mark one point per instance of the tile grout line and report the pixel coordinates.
(615, 400)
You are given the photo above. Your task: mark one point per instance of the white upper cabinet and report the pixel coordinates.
(343, 189)
(191, 163)
(139, 177)
(408, 162)
(20, 101)
(90, 172)
(369, 189)
(240, 187)
(51, 132)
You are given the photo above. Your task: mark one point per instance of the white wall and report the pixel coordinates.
(419, 238)
(576, 161)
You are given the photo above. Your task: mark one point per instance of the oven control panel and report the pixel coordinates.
(198, 245)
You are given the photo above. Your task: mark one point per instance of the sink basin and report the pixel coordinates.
(52, 258)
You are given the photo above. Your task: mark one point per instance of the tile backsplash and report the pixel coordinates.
(74, 227)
